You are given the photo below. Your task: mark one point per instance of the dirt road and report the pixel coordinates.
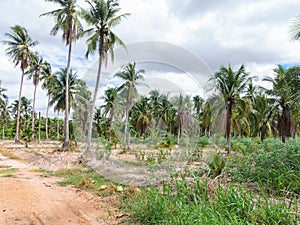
(30, 198)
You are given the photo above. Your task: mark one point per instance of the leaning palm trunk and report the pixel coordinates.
(67, 138)
(92, 109)
(19, 108)
(33, 107)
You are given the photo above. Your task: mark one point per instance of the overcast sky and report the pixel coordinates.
(179, 43)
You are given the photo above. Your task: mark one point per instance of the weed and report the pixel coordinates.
(8, 172)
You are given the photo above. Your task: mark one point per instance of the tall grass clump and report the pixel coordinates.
(180, 202)
(274, 167)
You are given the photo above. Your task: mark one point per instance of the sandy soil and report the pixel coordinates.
(30, 198)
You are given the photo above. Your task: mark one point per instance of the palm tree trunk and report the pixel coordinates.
(33, 106)
(39, 127)
(110, 122)
(47, 111)
(179, 130)
(3, 132)
(262, 133)
(284, 124)
(19, 108)
(57, 125)
(126, 125)
(67, 138)
(92, 109)
(228, 126)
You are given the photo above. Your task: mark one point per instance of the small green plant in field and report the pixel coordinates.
(203, 142)
(167, 142)
(216, 165)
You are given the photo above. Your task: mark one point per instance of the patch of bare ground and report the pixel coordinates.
(28, 197)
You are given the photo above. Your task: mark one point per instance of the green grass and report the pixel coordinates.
(87, 179)
(262, 186)
(273, 166)
(183, 203)
(8, 172)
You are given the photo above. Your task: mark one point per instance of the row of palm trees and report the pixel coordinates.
(101, 16)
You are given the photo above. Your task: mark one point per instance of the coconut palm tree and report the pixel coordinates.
(67, 20)
(4, 116)
(59, 90)
(48, 79)
(131, 76)
(109, 98)
(103, 15)
(142, 115)
(230, 84)
(36, 69)
(19, 51)
(285, 92)
(81, 108)
(182, 105)
(198, 102)
(4, 111)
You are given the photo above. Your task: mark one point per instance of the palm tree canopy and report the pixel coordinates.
(286, 85)
(66, 20)
(294, 29)
(109, 98)
(130, 75)
(3, 96)
(231, 83)
(36, 70)
(59, 89)
(103, 16)
(19, 46)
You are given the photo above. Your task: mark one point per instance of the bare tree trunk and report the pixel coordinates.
(39, 127)
(47, 111)
(19, 108)
(33, 106)
(92, 109)
(66, 130)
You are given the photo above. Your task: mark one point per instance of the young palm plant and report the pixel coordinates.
(19, 51)
(103, 15)
(67, 20)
